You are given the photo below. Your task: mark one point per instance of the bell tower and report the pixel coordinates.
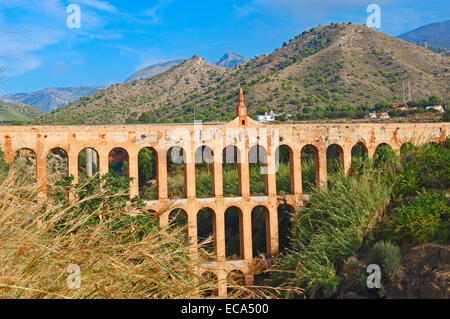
(241, 109)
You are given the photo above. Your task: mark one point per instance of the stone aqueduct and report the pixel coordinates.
(161, 138)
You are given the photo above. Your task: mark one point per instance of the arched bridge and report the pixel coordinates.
(241, 135)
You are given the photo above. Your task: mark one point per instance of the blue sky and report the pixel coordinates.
(38, 50)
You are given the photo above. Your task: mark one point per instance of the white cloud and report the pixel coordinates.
(99, 5)
(18, 63)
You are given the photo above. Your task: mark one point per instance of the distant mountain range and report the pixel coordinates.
(329, 65)
(230, 60)
(51, 98)
(152, 70)
(433, 34)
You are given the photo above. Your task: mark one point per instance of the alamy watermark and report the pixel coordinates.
(374, 19)
(74, 19)
(263, 142)
(74, 278)
(374, 279)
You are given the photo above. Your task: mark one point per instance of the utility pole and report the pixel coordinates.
(403, 93)
(409, 91)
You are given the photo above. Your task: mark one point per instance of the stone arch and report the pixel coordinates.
(209, 284)
(206, 228)
(178, 217)
(310, 167)
(176, 172)
(234, 245)
(335, 158)
(383, 153)
(204, 172)
(257, 159)
(260, 231)
(88, 164)
(235, 279)
(231, 171)
(406, 147)
(57, 164)
(284, 169)
(359, 150)
(285, 214)
(148, 173)
(26, 160)
(118, 162)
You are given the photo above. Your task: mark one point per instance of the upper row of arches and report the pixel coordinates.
(118, 164)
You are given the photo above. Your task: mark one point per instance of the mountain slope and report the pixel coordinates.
(154, 70)
(18, 112)
(230, 60)
(161, 94)
(434, 34)
(329, 65)
(51, 98)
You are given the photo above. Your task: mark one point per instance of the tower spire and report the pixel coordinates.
(241, 109)
(241, 97)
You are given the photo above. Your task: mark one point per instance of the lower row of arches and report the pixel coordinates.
(234, 236)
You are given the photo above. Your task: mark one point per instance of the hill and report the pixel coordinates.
(230, 60)
(18, 112)
(153, 70)
(50, 98)
(433, 34)
(337, 64)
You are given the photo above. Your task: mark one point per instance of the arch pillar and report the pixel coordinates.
(189, 180)
(296, 172)
(222, 283)
(246, 239)
(104, 162)
(161, 174)
(192, 233)
(270, 173)
(272, 231)
(133, 170)
(321, 175)
(219, 234)
(217, 173)
(244, 173)
(41, 173)
(72, 169)
(347, 160)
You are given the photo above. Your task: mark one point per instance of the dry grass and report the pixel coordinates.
(121, 251)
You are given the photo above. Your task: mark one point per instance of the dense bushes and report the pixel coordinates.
(391, 198)
(425, 218)
(331, 230)
(387, 256)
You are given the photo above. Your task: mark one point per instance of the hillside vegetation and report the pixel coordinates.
(335, 65)
(18, 112)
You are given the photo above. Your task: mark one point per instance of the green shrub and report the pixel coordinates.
(330, 230)
(424, 219)
(387, 256)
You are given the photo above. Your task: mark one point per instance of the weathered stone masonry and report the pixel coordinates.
(132, 138)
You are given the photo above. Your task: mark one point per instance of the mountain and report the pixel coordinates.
(51, 98)
(230, 60)
(153, 70)
(328, 65)
(434, 34)
(18, 112)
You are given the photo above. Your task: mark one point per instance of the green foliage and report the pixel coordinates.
(147, 166)
(331, 230)
(387, 256)
(425, 218)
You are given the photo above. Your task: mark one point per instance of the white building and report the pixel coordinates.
(438, 108)
(267, 117)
